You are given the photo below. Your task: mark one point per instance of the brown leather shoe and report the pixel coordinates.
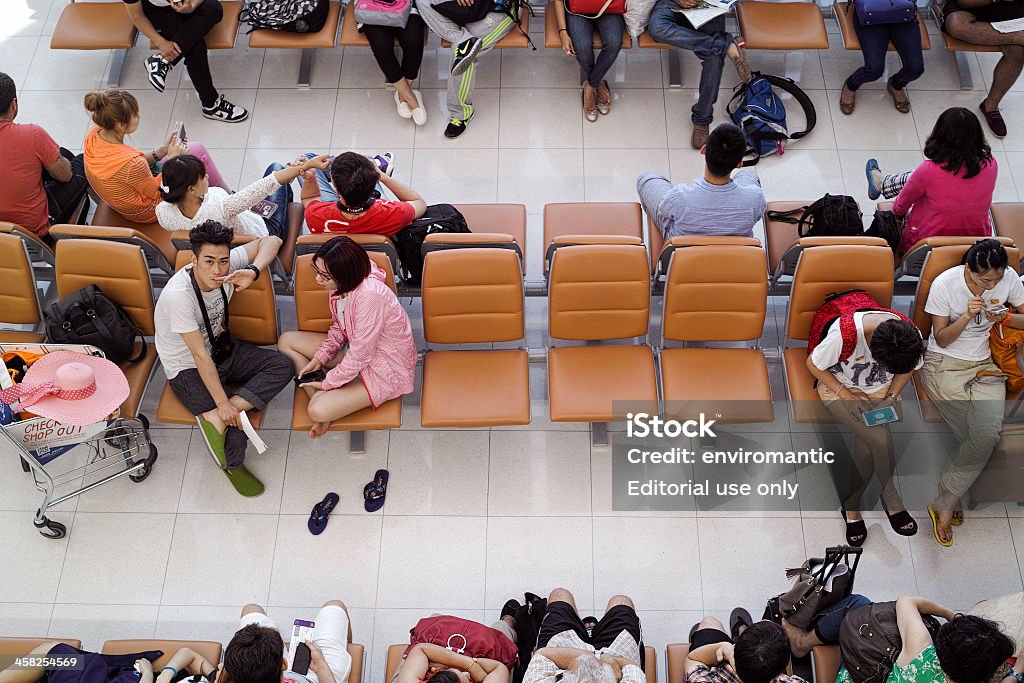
(899, 97)
(847, 107)
(699, 137)
(994, 120)
(604, 98)
(589, 102)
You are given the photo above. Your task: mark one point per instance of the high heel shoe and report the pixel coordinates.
(856, 531)
(900, 521)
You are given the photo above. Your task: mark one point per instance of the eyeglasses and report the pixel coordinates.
(322, 274)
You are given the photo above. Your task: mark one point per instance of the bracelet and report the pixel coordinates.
(254, 269)
(170, 668)
(562, 29)
(1015, 674)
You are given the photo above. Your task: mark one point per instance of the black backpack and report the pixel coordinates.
(870, 642)
(409, 240)
(294, 16)
(528, 620)
(885, 225)
(830, 216)
(90, 317)
(467, 14)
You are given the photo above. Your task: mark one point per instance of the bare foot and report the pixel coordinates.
(799, 639)
(318, 429)
(213, 418)
(876, 179)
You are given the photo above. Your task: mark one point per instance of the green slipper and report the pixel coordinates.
(214, 442)
(244, 481)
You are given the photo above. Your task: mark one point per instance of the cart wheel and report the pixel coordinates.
(24, 465)
(142, 473)
(53, 529)
(144, 420)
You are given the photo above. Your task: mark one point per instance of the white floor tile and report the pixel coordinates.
(362, 118)
(539, 473)
(637, 121)
(188, 109)
(24, 18)
(159, 492)
(60, 112)
(220, 559)
(609, 175)
(16, 53)
(536, 177)
(28, 619)
(276, 106)
(482, 131)
(66, 69)
(91, 576)
(547, 119)
(316, 467)
(457, 175)
(216, 623)
(281, 68)
(437, 473)
(96, 624)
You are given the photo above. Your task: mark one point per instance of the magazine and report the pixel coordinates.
(705, 11)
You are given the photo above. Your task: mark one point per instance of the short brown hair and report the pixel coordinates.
(346, 261)
(111, 107)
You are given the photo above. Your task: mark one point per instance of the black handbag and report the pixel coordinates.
(90, 317)
(886, 226)
(462, 14)
(820, 583)
(870, 642)
(830, 216)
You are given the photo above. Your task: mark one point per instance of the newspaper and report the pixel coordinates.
(705, 11)
(1009, 26)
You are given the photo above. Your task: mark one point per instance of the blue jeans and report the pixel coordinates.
(277, 224)
(709, 43)
(874, 41)
(827, 628)
(581, 30)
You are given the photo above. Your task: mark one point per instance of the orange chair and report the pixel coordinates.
(209, 650)
(307, 42)
(1007, 218)
(600, 293)
(20, 302)
(308, 244)
(40, 254)
(767, 25)
(23, 646)
(825, 662)
(96, 26)
(586, 222)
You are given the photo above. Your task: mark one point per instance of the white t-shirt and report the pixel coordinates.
(177, 312)
(860, 370)
(949, 296)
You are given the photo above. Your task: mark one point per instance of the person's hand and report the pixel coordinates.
(321, 163)
(725, 654)
(885, 402)
(182, 6)
(996, 317)
(168, 49)
(145, 666)
(317, 663)
(311, 366)
(174, 146)
(687, 4)
(228, 412)
(465, 3)
(611, 662)
(567, 46)
(315, 386)
(241, 279)
(975, 305)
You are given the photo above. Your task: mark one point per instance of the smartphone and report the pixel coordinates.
(264, 208)
(300, 664)
(880, 416)
(997, 310)
(182, 135)
(315, 376)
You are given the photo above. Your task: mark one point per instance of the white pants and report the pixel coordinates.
(330, 634)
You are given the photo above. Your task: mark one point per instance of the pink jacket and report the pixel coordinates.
(381, 347)
(943, 203)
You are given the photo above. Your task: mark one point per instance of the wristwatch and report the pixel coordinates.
(1016, 674)
(255, 271)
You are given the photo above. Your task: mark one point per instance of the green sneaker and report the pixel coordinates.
(245, 482)
(214, 441)
(464, 54)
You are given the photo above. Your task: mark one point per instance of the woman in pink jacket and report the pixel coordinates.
(380, 362)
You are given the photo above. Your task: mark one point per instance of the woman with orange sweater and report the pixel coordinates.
(124, 177)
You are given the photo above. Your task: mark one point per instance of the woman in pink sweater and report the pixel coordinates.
(951, 191)
(380, 362)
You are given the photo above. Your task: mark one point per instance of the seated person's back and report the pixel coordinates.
(716, 204)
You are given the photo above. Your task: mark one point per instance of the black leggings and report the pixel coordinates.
(189, 31)
(410, 39)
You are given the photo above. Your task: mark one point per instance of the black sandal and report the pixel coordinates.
(856, 532)
(900, 520)
(375, 492)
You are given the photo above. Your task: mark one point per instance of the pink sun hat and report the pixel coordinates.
(71, 388)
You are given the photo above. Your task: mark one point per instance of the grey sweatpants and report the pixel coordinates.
(263, 373)
(491, 29)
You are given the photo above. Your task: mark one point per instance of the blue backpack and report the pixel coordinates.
(759, 112)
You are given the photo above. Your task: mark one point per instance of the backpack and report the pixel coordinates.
(830, 216)
(885, 225)
(463, 14)
(870, 642)
(409, 240)
(841, 306)
(90, 317)
(760, 114)
(458, 634)
(528, 620)
(1006, 344)
(295, 16)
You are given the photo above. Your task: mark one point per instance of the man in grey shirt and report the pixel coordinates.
(718, 203)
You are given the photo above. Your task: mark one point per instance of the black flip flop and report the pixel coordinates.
(321, 511)
(375, 492)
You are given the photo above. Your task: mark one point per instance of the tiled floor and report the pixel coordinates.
(473, 517)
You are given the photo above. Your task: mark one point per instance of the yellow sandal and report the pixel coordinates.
(935, 528)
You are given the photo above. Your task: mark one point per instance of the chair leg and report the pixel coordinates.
(357, 442)
(306, 67)
(675, 68)
(794, 64)
(598, 433)
(963, 68)
(116, 65)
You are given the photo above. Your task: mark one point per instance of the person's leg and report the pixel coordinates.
(188, 386)
(611, 28)
(963, 26)
(581, 32)
(197, 62)
(826, 630)
(559, 616)
(189, 31)
(382, 45)
(890, 184)
(652, 188)
(619, 615)
(62, 198)
(460, 88)
(327, 406)
(332, 634)
(263, 373)
(506, 626)
(907, 39)
(412, 39)
(277, 224)
(255, 614)
(985, 404)
(874, 41)
(1005, 74)
(198, 149)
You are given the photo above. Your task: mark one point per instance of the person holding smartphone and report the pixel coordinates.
(965, 302)
(887, 350)
(188, 198)
(380, 362)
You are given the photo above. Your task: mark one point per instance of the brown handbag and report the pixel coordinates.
(820, 583)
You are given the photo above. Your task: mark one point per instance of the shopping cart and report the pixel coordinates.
(119, 444)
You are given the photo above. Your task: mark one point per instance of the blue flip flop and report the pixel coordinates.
(872, 165)
(375, 492)
(321, 511)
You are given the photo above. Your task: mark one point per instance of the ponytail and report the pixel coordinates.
(987, 254)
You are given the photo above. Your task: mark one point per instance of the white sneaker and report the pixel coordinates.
(419, 114)
(222, 110)
(403, 108)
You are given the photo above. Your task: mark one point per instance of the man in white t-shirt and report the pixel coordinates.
(255, 652)
(886, 352)
(198, 355)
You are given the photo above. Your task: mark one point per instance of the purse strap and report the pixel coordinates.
(202, 306)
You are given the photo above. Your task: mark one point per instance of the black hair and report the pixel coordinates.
(724, 149)
(897, 345)
(987, 254)
(7, 92)
(254, 655)
(445, 676)
(179, 174)
(958, 143)
(210, 232)
(347, 263)
(761, 653)
(355, 178)
(971, 649)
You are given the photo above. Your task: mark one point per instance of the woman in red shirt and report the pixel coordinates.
(951, 191)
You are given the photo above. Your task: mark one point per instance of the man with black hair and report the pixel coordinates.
(720, 203)
(43, 182)
(256, 653)
(759, 653)
(198, 355)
